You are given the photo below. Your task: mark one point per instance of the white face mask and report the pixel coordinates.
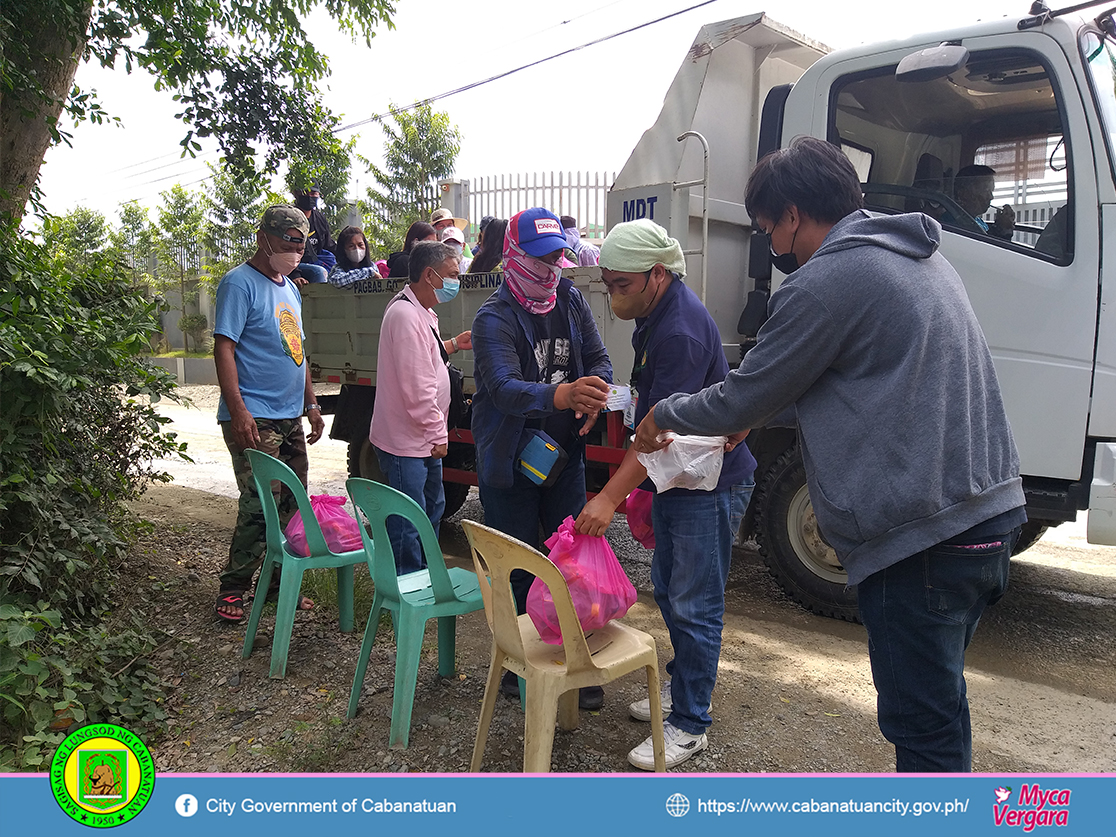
(282, 263)
(355, 254)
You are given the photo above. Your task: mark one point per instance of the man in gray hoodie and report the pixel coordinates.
(911, 466)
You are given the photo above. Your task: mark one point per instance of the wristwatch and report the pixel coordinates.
(310, 407)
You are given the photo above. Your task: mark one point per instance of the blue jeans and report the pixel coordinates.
(421, 480)
(313, 273)
(921, 614)
(518, 511)
(694, 534)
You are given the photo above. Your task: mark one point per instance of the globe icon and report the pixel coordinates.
(677, 805)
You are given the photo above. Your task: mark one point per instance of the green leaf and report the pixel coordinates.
(19, 634)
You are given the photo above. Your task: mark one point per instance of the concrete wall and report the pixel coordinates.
(189, 370)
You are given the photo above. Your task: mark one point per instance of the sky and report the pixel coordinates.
(582, 112)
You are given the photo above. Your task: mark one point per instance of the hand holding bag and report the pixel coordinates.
(599, 588)
(692, 462)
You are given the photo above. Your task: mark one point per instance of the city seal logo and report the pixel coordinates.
(102, 775)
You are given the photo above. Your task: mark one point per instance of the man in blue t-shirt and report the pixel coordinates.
(678, 349)
(265, 387)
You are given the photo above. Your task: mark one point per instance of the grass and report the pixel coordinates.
(181, 353)
(321, 586)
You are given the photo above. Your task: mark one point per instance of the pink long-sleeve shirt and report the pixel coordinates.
(412, 383)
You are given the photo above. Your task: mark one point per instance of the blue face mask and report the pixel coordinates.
(449, 289)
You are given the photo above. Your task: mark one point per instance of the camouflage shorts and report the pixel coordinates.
(283, 439)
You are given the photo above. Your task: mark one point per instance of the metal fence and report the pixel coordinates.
(580, 194)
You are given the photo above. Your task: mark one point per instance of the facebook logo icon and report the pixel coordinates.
(186, 805)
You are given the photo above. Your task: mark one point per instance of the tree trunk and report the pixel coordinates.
(53, 55)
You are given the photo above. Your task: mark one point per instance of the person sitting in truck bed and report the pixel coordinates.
(354, 264)
(397, 262)
(490, 253)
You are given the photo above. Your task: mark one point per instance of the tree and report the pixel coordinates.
(233, 208)
(332, 179)
(75, 239)
(181, 220)
(133, 243)
(245, 73)
(420, 149)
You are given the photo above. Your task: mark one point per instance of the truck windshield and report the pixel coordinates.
(982, 151)
(1100, 58)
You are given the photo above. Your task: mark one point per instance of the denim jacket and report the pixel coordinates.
(507, 374)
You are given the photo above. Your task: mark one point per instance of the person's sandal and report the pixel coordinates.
(230, 598)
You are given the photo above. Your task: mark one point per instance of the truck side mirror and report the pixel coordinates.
(932, 63)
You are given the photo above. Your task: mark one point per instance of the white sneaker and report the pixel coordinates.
(641, 709)
(679, 747)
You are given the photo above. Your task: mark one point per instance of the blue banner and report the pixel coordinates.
(606, 805)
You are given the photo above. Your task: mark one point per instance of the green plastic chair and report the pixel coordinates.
(265, 470)
(434, 593)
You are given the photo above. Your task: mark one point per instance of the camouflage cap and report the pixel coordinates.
(278, 219)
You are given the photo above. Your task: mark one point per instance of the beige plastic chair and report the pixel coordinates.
(553, 673)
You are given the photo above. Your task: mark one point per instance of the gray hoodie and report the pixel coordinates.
(903, 431)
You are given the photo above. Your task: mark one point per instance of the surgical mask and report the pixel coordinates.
(355, 254)
(786, 262)
(449, 289)
(456, 248)
(283, 263)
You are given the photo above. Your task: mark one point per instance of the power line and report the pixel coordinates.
(499, 76)
(143, 162)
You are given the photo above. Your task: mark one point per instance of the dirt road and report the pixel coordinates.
(794, 690)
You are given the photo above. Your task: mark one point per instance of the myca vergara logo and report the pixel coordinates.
(102, 775)
(1036, 807)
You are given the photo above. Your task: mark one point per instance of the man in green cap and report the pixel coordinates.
(678, 349)
(265, 388)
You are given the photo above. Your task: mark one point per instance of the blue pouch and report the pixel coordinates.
(540, 458)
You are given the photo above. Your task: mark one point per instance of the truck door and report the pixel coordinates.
(1012, 110)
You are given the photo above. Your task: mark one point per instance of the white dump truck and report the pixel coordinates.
(1032, 97)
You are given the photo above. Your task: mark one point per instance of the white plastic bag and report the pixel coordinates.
(687, 462)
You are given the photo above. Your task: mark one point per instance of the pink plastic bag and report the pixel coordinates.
(639, 517)
(342, 532)
(599, 588)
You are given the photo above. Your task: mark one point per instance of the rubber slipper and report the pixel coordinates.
(230, 599)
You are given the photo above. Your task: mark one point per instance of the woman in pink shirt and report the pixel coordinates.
(408, 428)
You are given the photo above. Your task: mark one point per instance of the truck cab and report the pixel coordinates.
(1033, 100)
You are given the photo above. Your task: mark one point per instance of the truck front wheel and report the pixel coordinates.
(803, 564)
(364, 463)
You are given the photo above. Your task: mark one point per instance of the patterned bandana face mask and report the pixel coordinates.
(532, 282)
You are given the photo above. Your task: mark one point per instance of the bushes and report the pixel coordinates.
(77, 437)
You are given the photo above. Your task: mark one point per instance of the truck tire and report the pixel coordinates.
(464, 457)
(363, 463)
(1032, 531)
(803, 564)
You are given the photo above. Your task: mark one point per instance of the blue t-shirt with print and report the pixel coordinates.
(264, 319)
